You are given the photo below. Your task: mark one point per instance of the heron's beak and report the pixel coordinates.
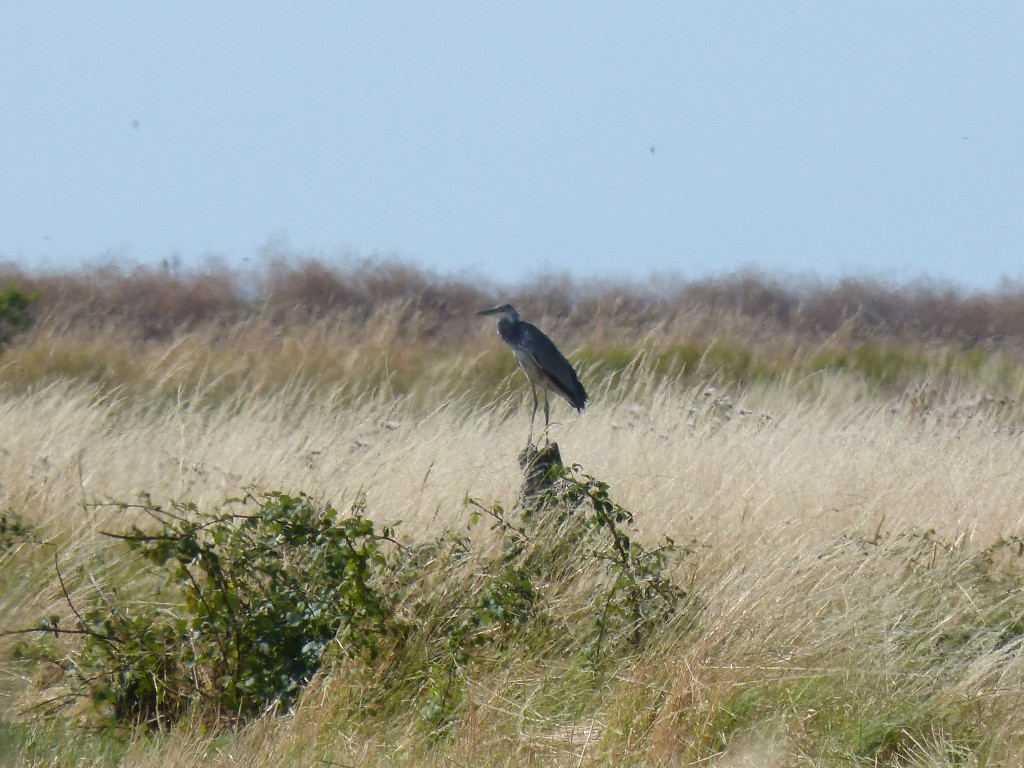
(488, 311)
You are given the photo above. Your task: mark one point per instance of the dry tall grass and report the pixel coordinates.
(838, 540)
(841, 462)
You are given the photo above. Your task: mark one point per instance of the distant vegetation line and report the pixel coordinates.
(143, 327)
(159, 300)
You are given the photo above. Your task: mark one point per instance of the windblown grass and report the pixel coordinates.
(850, 506)
(857, 601)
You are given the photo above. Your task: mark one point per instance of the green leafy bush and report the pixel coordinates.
(567, 580)
(571, 533)
(13, 530)
(226, 614)
(255, 595)
(14, 312)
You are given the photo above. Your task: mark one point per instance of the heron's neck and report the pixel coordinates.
(508, 329)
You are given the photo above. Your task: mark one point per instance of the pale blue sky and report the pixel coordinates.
(507, 140)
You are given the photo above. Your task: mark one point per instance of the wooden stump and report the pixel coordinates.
(541, 468)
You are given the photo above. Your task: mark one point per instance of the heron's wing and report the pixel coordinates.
(545, 359)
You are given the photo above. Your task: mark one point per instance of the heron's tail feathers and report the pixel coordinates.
(572, 390)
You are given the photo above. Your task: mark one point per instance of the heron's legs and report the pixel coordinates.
(547, 414)
(533, 414)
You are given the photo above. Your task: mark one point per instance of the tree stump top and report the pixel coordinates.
(541, 468)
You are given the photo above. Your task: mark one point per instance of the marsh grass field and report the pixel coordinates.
(839, 468)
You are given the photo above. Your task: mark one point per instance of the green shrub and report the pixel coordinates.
(229, 613)
(573, 533)
(252, 602)
(13, 530)
(14, 312)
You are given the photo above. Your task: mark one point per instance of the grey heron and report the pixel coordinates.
(540, 360)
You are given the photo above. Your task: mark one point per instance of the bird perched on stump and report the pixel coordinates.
(540, 360)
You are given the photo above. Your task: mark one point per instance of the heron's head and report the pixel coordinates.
(504, 311)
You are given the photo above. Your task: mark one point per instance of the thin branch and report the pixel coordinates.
(56, 630)
(64, 589)
(82, 623)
